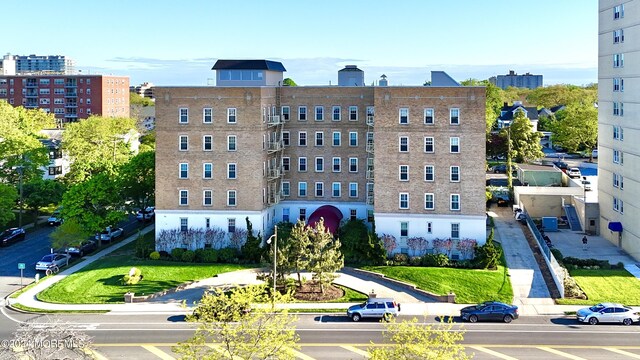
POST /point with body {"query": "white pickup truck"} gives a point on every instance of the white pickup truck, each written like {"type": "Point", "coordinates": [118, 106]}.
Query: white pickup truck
{"type": "Point", "coordinates": [109, 234]}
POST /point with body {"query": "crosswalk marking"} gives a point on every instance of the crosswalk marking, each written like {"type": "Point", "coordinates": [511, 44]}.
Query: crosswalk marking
{"type": "Point", "coordinates": [96, 355]}
{"type": "Point", "coordinates": [355, 350]}
{"type": "Point", "coordinates": [625, 353]}
{"type": "Point", "coordinates": [157, 352]}
{"type": "Point", "coordinates": [494, 353]}
{"type": "Point", "coordinates": [302, 356]}
{"type": "Point", "coordinates": [561, 353]}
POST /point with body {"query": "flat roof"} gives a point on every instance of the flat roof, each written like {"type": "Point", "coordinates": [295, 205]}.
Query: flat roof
{"type": "Point", "coordinates": [248, 65]}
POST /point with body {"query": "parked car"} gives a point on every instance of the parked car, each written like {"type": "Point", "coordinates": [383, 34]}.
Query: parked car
{"type": "Point", "coordinates": [561, 165]}
{"type": "Point", "coordinates": [55, 219]}
{"type": "Point", "coordinates": [502, 169]}
{"type": "Point", "coordinates": [51, 261]}
{"type": "Point", "coordinates": [382, 308]}
{"type": "Point", "coordinates": [594, 153]}
{"type": "Point", "coordinates": [608, 313]}
{"type": "Point", "coordinates": [146, 214]}
{"type": "Point", "coordinates": [109, 234]}
{"type": "Point", "coordinates": [85, 247]}
{"type": "Point", "coordinates": [574, 172]}
{"type": "Point", "coordinates": [490, 310]}
{"type": "Point", "coordinates": [11, 235]}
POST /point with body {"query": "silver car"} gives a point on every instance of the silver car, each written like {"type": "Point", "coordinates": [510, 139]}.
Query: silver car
{"type": "Point", "coordinates": [608, 313]}
{"type": "Point", "coordinates": [382, 308]}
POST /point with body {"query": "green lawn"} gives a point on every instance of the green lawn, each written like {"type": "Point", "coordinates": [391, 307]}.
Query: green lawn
{"type": "Point", "coordinates": [100, 282]}
{"type": "Point", "coordinates": [605, 286]}
{"type": "Point", "coordinates": [470, 286]}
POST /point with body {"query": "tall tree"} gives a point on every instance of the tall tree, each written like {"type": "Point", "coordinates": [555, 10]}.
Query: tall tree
{"type": "Point", "coordinates": [69, 233]}
{"type": "Point", "coordinates": [8, 197]}
{"type": "Point", "coordinates": [562, 95]}
{"type": "Point", "coordinates": [325, 257]}
{"type": "Point", "coordinates": [293, 249]}
{"type": "Point", "coordinates": [263, 333]}
{"type": "Point", "coordinates": [97, 145]}
{"type": "Point", "coordinates": [525, 143]}
{"type": "Point", "coordinates": [289, 82]}
{"type": "Point", "coordinates": [38, 193]}
{"type": "Point", "coordinates": [494, 100]}
{"type": "Point", "coordinates": [137, 178]}
{"type": "Point", "coordinates": [576, 127]}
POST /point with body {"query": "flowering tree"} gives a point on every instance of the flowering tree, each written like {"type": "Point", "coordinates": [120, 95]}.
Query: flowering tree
{"type": "Point", "coordinates": [389, 242]}
{"type": "Point", "coordinates": [443, 246]}
{"type": "Point", "coordinates": [238, 238]}
{"type": "Point", "coordinates": [418, 245]}
{"type": "Point", "coordinates": [215, 237]}
{"type": "Point", "coordinates": [466, 246]}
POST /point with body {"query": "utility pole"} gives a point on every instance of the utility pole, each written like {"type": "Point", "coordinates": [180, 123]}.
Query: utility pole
{"type": "Point", "coordinates": [20, 171]}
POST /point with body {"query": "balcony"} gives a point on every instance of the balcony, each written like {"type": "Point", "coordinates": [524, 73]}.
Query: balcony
{"type": "Point", "coordinates": [369, 147]}
{"type": "Point", "coordinates": [370, 174]}
{"type": "Point", "coordinates": [71, 84]}
{"type": "Point", "coordinates": [31, 84]}
{"type": "Point", "coordinates": [273, 146]}
{"type": "Point", "coordinates": [274, 173]}
{"type": "Point", "coordinates": [369, 199]}
{"type": "Point", "coordinates": [370, 120]}
{"type": "Point", "coordinates": [273, 120]}
{"type": "Point", "coordinates": [70, 116]}
{"type": "Point", "coordinates": [71, 94]}
{"type": "Point", "coordinates": [274, 197]}
{"type": "Point", "coordinates": [71, 104]}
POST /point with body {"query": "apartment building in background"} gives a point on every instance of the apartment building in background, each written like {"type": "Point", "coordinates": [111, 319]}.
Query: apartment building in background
{"type": "Point", "coordinates": [68, 97]}
{"type": "Point", "coordinates": [36, 64]}
{"type": "Point", "coordinates": [618, 119]}
{"type": "Point", "coordinates": [410, 158]}
{"type": "Point", "coordinates": [527, 80]}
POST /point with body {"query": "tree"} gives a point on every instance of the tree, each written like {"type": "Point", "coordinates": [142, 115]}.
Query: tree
{"type": "Point", "coordinates": [325, 257]}
{"type": "Point", "coordinates": [97, 145]}
{"type": "Point", "coordinates": [137, 179]}
{"type": "Point", "coordinates": [525, 143]}
{"type": "Point", "coordinates": [412, 340]}
{"type": "Point", "coordinates": [251, 250]}
{"type": "Point", "coordinates": [69, 233]}
{"type": "Point", "coordinates": [136, 99]}
{"type": "Point", "coordinates": [38, 193]}
{"type": "Point", "coordinates": [496, 145]}
{"type": "Point", "coordinates": [289, 82]}
{"type": "Point", "coordinates": [263, 333]}
{"type": "Point", "coordinates": [293, 249]}
{"type": "Point", "coordinates": [563, 95]}
{"type": "Point", "coordinates": [93, 204]}
{"type": "Point", "coordinates": [494, 97]}
{"type": "Point", "coordinates": [8, 198]}
{"type": "Point", "coordinates": [358, 247]}
{"type": "Point", "coordinates": [576, 127]}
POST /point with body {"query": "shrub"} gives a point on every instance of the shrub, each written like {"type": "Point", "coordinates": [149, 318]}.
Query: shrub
{"type": "Point", "coordinates": [227, 255]}
{"type": "Point", "coordinates": [571, 288]}
{"type": "Point", "coordinates": [133, 277]}
{"type": "Point", "coordinates": [558, 255]}
{"type": "Point", "coordinates": [154, 255]}
{"type": "Point", "coordinates": [586, 263]}
{"type": "Point", "coordinates": [252, 251]}
{"type": "Point", "coordinates": [209, 256]}
{"type": "Point", "coordinates": [188, 256]}
{"type": "Point", "coordinates": [462, 264]}
{"type": "Point", "coordinates": [620, 265]}
{"type": "Point", "coordinates": [176, 253]}
{"type": "Point", "coordinates": [435, 260]}
{"type": "Point", "coordinates": [145, 245]}
{"type": "Point", "coordinates": [488, 255]}
{"type": "Point", "coordinates": [400, 259]}
{"type": "Point", "coordinates": [415, 261]}
{"type": "Point", "coordinates": [164, 254]}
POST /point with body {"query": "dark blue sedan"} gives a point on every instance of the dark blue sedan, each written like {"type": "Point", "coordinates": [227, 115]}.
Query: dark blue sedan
{"type": "Point", "coordinates": [490, 311]}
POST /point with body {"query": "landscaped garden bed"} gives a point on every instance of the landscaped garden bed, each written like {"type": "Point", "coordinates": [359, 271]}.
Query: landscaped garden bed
{"type": "Point", "coordinates": [605, 285]}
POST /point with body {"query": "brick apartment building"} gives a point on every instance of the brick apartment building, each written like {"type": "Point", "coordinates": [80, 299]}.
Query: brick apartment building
{"type": "Point", "coordinates": [69, 97]}
{"type": "Point", "coordinates": [412, 159]}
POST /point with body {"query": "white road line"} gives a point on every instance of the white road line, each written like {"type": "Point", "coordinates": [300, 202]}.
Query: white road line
{"type": "Point", "coordinates": [560, 353]}
{"type": "Point", "coordinates": [625, 353]}
{"type": "Point", "coordinates": [493, 353]}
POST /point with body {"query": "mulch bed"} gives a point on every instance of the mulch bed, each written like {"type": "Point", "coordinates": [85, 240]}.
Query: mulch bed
{"type": "Point", "coordinates": [310, 291]}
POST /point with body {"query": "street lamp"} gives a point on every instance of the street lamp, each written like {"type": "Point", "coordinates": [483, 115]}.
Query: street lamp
{"type": "Point", "coordinates": [275, 251]}
{"type": "Point", "coordinates": [584, 190]}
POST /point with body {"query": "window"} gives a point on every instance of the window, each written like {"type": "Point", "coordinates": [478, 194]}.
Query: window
{"type": "Point", "coordinates": [231, 142]}
{"type": "Point", "coordinates": [207, 143]}
{"type": "Point", "coordinates": [454, 116]}
{"type": "Point", "coordinates": [353, 190]}
{"type": "Point", "coordinates": [45, 91]}
{"type": "Point", "coordinates": [286, 138]}
{"type": "Point", "coordinates": [319, 164]}
{"type": "Point", "coordinates": [454, 174]}
{"type": "Point", "coordinates": [207, 115]}
{"type": "Point", "coordinates": [616, 204]}
{"type": "Point", "coordinates": [404, 230]}
{"type": "Point", "coordinates": [302, 189]}
{"type": "Point", "coordinates": [455, 231]}
{"type": "Point", "coordinates": [429, 173]}
{"type": "Point", "coordinates": [303, 214]}
{"type": "Point", "coordinates": [336, 113]}
{"type": "Point", "coordinates": [403, 116]}
{"type": "Point", "coordinates": [184, 197]}
{"type": "Point", "coordinates": [319, 189]}
{"type": "Point", "coordinates": [319, 138]}
{"type": "Point", "coordinates": [183, 115]}
{"type": "Point", "coordinates": [428, 145]}
{"type": "Point", "coordinates": [616, 84]}
{"type": "Point", "coordinates": [353, 113]}
{"type": "Point", "coordinates": [207, 171]}
{"type": "Point", "coordinates": [319, 113]}
{"type": "Point", "coordinates": [404, 172]}
{"type": "Point", "coordinates": [429, 201]}
{"type": "Point", "coordinates": [286, 163]}
{"type": "Point", "coordinates": [231, 116]}
{"type": "Point", "coordinates": [55, 170]}
{"type": "Point", "coordinates": [286, 188]}
{"type": "Point", "coordinates": [231, 225]}
{"type": "Point", "coordinates": [336, 138]}
{"type": "Point", "coordinates": [302, 138]}
{"type": "Point", "coordinates": [231, 198]}
{"type": "Point", "coordinates": [88, 101]}
{"type": "Point", "coordinates": [353, 138]}
{"type": "Point", "coordinates": [454, 143]}
{"type": "Point", "coordinates": [207, 198]}
{"type": "Point", "coordinates": [428, 117]}
{"type": "Point", "coordinates": [618, 181]}
{"type": "Point", "coordinates": [616, 108]}
{"type": "Point", "coordinates": [231, 171]}
{"type": "Point", "coordinates": [336, 189]}
{"type": "Point", "coordinates": [455, 202]}
{"type": "Point", "coordinates": [618, 60]}
{"type": "Point", "coordinates": [302, 113]}
{"type": "Point", "coordinates": [618, 36]}
{"type": "Point", "coordinates": [618, 12]}
{"type": "Point", "coordinates": [184, 171]}
{"type": "Point", "coordinates": [403, 202]}
{"type": "Point", "coordinates": [353, 214]}
{"type": "Point", "coordinates": [404, 144]}
{"type": "Point", "coordinates": [429, 227]}
{"type": "Point", "coordinates": [617, 157]}
{"type": "Point", "coordinates": [353, 165]}
{"type": "Point", "coordinates": [302, 164]}
{"type": "Point", "coordinates": [184, 224]}
{"type": "Point", "coordinates": [286, 113]}
{"type": "Point", "coordinates": [336, 164]}
{"type": "Point", "coordinates": [184, 143]}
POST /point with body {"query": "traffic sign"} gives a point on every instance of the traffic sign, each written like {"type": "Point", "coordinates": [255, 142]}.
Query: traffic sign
{"type": "Point", "coordinates": [21, 266]}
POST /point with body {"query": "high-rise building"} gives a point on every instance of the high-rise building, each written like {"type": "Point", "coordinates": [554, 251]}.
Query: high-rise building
{"type": "Point", "coordinates": [69, 97]}
{"type": "Point", "coordinates": [37, 64]}
{"type": "Point", "coordinates": [618, 116]}
{"type": "Point", "coordinates": [409, 158]}
{"type": "Point", "coordinates": [527, 80]}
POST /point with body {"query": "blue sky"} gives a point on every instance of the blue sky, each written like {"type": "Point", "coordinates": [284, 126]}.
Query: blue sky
{"type": "Point", "coordinates": [177, 42]}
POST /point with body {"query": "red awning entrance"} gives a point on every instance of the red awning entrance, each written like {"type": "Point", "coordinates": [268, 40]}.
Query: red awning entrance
{"type": "Point", "coordinates": [331, 215]}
